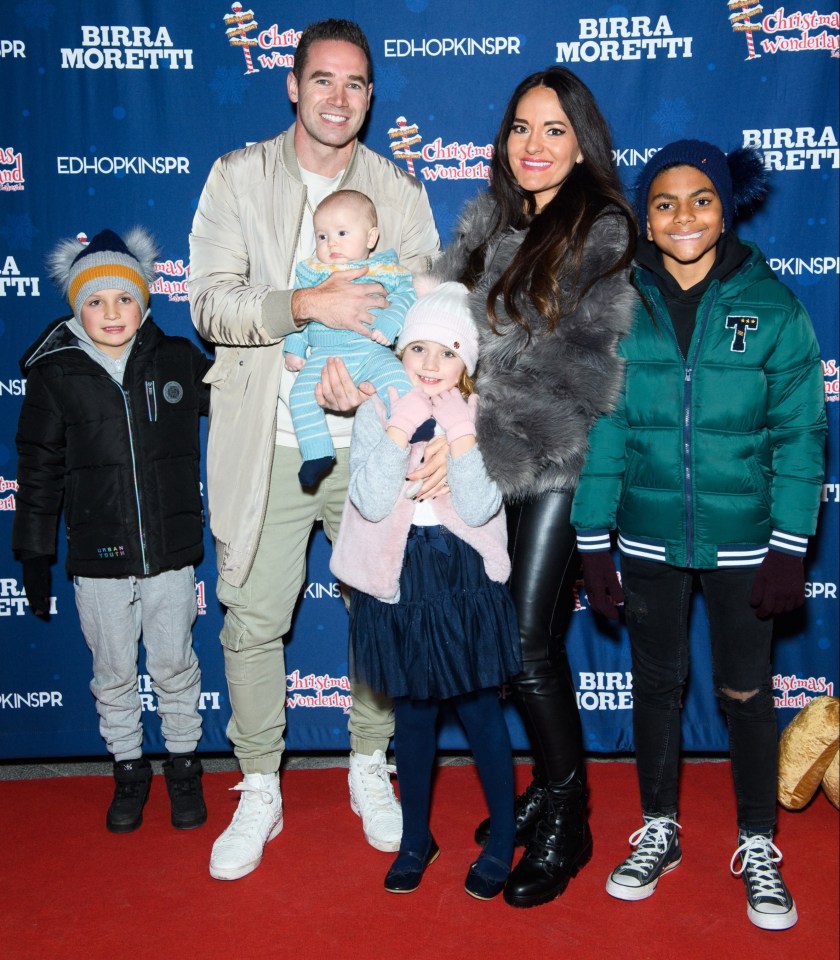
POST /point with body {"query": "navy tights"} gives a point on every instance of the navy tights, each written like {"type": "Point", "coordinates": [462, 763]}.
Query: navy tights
{"type": "Point", "coordinates": [415, 744]}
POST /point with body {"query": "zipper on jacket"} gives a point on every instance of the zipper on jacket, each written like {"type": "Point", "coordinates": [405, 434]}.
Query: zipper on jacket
{"type": "Point", "coordinates": [151, 401]}
{"type": "Point", "coordinates": [706, 302]}
{"type": "Point", "coordinates": [687, 475]}
{"type": "Point", "coordinates": [130, 422]}
{"type": "Point", "coordinates": [290, 273]}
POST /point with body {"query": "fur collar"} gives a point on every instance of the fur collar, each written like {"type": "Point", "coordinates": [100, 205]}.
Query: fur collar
{"type": "Point", "coordinates": [541, 395]}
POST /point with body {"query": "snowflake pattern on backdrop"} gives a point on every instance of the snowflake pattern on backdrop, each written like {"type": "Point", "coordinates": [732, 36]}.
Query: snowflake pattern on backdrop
{"type": "Point", "coordinates": [18, 231]}
{"type": "Point", "coordinates": [389, 83]}
{"type": "Point", "coordinates": [673, 118]}
{"type": "Point", "coordinates": [229, 85]}
{"type": "Point", "coordinates": [36, 13]}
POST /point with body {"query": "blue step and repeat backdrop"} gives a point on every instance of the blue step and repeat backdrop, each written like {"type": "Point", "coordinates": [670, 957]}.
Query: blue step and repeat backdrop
{"type": "Point", "coordinates": [112, 115]}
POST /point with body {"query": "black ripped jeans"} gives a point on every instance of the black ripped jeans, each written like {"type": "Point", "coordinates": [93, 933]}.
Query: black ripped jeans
{"type": "Point", "coordinates": [656, 608]}
{"type": "Point", "coordinates": [541, 542]}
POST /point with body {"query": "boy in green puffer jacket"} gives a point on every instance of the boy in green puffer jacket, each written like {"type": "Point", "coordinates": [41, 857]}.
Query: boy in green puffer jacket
{"type": "Point", "coordinates": [710, 468]}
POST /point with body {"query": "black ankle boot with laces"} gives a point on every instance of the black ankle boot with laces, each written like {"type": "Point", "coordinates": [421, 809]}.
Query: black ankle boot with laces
{"type": "Point", "coordinates": [560, 848]}
{"type": "Point", "coordinates": [132, 780]}
{"type": "Point", "coordinates": [183, 781]}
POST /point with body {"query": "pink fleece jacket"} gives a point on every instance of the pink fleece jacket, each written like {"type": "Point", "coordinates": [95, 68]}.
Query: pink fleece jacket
{"type": "Point", "coordinates": [368, 554]}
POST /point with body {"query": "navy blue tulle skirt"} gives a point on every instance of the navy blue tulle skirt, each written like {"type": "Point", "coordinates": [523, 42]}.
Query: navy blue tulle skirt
{"type": "Point", "coordinates": [454, 630]}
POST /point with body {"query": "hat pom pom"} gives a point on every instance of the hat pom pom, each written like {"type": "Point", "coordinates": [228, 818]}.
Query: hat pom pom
{"type": "Point", "coordinates": [424, 283]}
{"type": "Point", "coordinates": [59, 262]}
{"type": "Point", "coordinates": [750, 183]}
{"type": "Point", "coordinates": [141, 245]}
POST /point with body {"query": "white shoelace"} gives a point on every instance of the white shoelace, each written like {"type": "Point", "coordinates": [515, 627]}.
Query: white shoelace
{"type": "Point", "coordinates": [759, 856]}
{"type": "Point", "coordinates": [378, 784]}
{"type": "Point", "coordinates": [651, 841]}
{"type": "Point", "coordinates": [249, 812]}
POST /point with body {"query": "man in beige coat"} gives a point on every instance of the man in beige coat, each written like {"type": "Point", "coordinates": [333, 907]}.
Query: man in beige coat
{"type": "Point", "coordinates": [253, 223]}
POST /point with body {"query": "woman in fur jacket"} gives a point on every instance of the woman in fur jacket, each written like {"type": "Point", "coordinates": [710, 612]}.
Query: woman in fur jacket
{"type": "Point", "coordinates": [545, 253]}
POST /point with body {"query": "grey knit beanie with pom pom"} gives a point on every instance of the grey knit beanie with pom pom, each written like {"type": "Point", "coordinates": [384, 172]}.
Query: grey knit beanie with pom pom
{"type": "Point", "coordinates": [107, 263]}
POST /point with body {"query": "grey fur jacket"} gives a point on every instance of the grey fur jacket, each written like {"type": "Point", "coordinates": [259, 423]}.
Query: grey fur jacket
{"type": "Point", "coordinates": [539, 399]}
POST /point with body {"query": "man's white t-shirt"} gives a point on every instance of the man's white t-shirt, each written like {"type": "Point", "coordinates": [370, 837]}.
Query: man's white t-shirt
{"type": "Point", "coordinates": [339, 425]}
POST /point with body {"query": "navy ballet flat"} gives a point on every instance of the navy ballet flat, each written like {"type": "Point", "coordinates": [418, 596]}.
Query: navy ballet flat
{"type": "Point", "coordinates": [407, 870]}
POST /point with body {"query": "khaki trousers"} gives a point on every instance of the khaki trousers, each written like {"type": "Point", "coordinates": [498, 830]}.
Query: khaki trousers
{"type": "Point", "coordinates": [259, 615]}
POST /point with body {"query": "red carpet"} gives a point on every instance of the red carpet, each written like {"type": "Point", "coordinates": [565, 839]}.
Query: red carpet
{"type": "Point", "coordinates": [69, 889]}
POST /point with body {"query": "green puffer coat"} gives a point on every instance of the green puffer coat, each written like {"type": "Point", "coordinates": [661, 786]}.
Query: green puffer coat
{"type": "Point", "coordinates": [706, 461]}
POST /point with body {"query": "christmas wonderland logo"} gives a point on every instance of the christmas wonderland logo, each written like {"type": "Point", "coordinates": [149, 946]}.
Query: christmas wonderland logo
{"type": "Point", "coordinates": [11, 169]}
{"type": "Point", "coordinates": [241, 32]}
{"type": "Point", "coordinates": [173, 280]}
{"type": "Point", "coordinates": [787, 32]}
{"type": "Point", "coordinates": [446, 161]}
{"type": "Point", "coordinates": [8, 489]}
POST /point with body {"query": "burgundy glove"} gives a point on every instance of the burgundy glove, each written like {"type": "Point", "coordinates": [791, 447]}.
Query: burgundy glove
{"type": "Point", "coordinates": [779, 584]}
{"type": "Point", "coordinates": [455, 414]}
{"type": "Point", "coordinates": [600, 578]}
{"type": "Point", "coordinates": [410, 410]}
{"type": "Point", "coordinates": [37, 585]}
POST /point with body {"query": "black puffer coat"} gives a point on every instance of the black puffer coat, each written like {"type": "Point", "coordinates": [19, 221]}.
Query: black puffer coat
{"type": "Point", "coordinates": [123, 460]}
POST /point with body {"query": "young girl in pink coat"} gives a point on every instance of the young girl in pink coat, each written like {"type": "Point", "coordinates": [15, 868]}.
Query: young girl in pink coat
{"type": "Point", "coordinates": [430, 616]}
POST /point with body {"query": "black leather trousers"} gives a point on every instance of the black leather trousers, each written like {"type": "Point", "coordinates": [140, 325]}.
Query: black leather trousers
{"type": "Point", "coordinates": [541, 542]}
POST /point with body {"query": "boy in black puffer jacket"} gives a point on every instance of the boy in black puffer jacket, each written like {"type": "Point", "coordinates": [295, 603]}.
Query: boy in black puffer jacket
{"type": "Point", "coordinates": [109, 431]}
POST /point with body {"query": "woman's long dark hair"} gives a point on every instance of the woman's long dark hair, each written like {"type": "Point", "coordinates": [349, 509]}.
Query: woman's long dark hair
{"type": "Point", "coordinates": [546, 268]}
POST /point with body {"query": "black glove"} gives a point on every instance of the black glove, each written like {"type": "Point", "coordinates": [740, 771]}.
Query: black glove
{"type": "Point", "coordinates": [779, 584]}
{"type": "Point", "coordinates": [37, 585]}
{"type": "Point", "coordinates": [600, 578]}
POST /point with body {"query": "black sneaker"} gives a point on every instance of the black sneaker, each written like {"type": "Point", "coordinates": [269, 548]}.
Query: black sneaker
{"type": "Point", "coordinates": [769, 903]}
{"type": "Point", "coordinates": [183, 781]}
{"type": "Point", "coordinates": [133, 780]}
{"type": "Point", "coordinates": [657, 851]}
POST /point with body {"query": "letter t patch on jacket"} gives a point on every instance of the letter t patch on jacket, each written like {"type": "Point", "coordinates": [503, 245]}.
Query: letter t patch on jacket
{"type": "Point", "coordinates": [740, 325]}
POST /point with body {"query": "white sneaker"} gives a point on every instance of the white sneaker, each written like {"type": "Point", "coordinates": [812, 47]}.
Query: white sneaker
{"type": "Point", "coordinates": [372, 798]}
{"type": "Point", "coordinates": [258, 819]}
{"type": "Point", "coordinates": [657, 853]}
{"type": "Point", "coordinates": [769, 903]}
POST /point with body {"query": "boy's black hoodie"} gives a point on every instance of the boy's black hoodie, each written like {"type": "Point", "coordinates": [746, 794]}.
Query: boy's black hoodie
{"type": "Point", "coordinates": [682, 304]}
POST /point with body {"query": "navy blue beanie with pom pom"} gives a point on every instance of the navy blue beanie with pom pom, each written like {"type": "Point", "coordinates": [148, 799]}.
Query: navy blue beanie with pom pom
{"type": "Point", "coordinates": [739, 179]}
